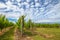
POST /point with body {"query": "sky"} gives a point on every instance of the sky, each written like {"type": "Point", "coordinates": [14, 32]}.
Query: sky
{"type": "Point", "coordinates": [38, 11]}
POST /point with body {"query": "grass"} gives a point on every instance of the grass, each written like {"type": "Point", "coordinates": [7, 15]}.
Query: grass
{"type": "Point", "coordinates": [39, 36]}
{"type": "Point", "coordinates": [8, 35]}
{"type": "Point", "coordinates": [48, 31]}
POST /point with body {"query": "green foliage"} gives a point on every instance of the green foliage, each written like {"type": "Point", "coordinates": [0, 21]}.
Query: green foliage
{"type": "Point", "coordinates": [55, 25]}
{"type": "Point", "coordinates": [29, 24]}
{"type": "Point", "coordinates": [4, 22]}
{"type": "Point", "coordinates": [19, 21]}
{"type": "Point", "coordinates": [8, 35]}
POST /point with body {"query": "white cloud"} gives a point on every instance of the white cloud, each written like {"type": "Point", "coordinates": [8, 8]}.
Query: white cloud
{"type": "Point", "coordinates": [37, 4]}
{"type": "Point", "coordinates": [54, 11]}
{"type": "Point", "coordinates": [31, 12]}
{"type": "Point", "coordinates": [19, 4]}
{"type": "Point", "coordinates": [18, 0]}
{"type": "Point", "coordinates": [32, 6]}
{"type": "Point", "coordinates": [2, 5]}
{"type": "Point", "coordinates": [52, 15]}
{"type": "Point", "coordinates": [28, 0]}
{"type": "Point", "coordinates": [36, 0]}
{"type": "Point", "coordinates": [39, 21]}
{"type": "Point", "coordinates": [26, 4]}
{"type": "Point", "coordinates": [8, 3]}
{"type": "Point", "coordinates": [11, 15]}
{"type": "Point", "coordinates": [12, 7]}
{"type": "Point", "coordinates": [42, 9]}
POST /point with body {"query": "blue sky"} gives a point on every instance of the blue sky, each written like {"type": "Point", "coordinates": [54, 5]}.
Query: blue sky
{"type": "Point", "coordinates": [36, 10]}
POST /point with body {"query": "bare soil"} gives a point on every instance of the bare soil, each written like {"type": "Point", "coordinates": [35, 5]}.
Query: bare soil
{"type": "Point", "coordinates": [17, 36]}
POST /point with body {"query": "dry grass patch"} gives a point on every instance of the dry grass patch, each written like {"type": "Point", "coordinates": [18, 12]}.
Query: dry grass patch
{"type": "Point", "coordinates": [48, 35]}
